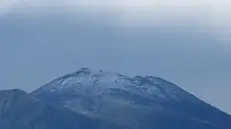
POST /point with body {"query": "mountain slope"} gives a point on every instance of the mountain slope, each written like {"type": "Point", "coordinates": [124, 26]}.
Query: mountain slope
{"type": "Point", "coordinates": [138, 102]}
{"type": "Point", "coordinates": [19, 110]}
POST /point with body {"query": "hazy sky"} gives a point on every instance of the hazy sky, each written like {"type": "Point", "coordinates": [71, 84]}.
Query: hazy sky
{"type": "Point", "coordinates": [184, 41]}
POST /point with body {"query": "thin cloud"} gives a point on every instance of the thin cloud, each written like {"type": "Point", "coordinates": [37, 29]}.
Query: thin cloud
{"type": "Point", "coordinates": [145, 12]}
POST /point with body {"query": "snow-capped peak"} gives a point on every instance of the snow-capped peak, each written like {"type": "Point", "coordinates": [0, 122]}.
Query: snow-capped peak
{"type": "Point", "coordinates": [92, 82]}
{"type": "Point", "coordinates": [87, 77]}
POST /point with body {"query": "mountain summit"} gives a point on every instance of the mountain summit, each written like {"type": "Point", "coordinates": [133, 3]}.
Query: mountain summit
{"type": "Point", "coordinates": [133, 102]}
{"type": "Point", "coordinates": [89, 99]}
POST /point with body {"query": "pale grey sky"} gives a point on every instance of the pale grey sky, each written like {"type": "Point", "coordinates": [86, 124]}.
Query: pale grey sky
{"type": "Point", "coordinates": [187, 43]}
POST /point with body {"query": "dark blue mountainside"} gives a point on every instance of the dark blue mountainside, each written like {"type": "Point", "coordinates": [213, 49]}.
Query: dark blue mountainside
{"type": "Point", "coordinates": [88, 99]}
{"type": "Point", "coordinates": [20, 110]}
